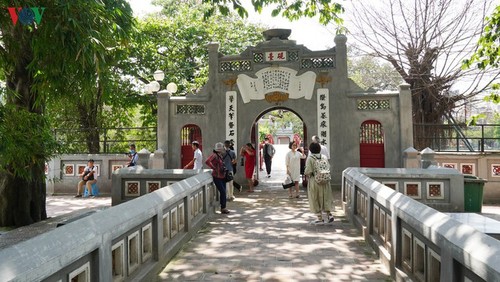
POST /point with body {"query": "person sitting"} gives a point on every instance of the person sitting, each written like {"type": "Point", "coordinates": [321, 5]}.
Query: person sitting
{"type": "Point", "coordinates": [89, 177]}
{"type": "Point", "coordinates": [132, 156]}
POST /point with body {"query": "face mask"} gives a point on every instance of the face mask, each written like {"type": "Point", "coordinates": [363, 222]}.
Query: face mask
{"type": "Point", "coordinates": [132, 151]}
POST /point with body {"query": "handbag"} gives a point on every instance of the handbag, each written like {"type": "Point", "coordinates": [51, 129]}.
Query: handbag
{"type": "Point", "coordinates": [288, 183]}
{"type": "Point", "coordinates": [228, 176]}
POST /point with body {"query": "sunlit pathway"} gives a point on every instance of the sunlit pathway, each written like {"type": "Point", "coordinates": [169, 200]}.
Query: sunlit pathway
{"type": "Point", "coordinates": [268, 237]}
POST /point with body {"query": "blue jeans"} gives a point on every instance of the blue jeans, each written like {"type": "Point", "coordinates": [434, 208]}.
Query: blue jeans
{"type": "Point", "coordinates": [220, 183]}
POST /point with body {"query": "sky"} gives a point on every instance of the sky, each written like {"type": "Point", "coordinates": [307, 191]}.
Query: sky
{"type": "Point", "coordinates": [308, 32]}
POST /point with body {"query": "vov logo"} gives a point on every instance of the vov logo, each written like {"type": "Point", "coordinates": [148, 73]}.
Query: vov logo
{"type": "Point", "coordinates": [26, 15]}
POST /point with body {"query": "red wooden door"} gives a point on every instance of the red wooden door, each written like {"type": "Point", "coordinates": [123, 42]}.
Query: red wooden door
{"type": "Point", "coordinates": [371, 145]}
{"type": "Point", "coordinates": [189, 133]}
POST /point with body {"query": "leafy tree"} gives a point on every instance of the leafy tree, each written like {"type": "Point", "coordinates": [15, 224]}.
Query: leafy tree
{"type": "Point", "coordinates": [175, 41]}
{"type": "Point", "coordinates": [56, 56]}
{"type": "Point", "coordinates": [487, 54]}
{"type": "Point", "coordinates": [327, 10]}
{"type": "Point", "coordinates": [425, 41]}
{"type": "Point", "coordinates": [370, 73]}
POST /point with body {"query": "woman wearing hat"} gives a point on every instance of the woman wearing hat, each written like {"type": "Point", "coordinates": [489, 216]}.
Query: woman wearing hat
{"type": "Point", "coordinates": [216, 163]}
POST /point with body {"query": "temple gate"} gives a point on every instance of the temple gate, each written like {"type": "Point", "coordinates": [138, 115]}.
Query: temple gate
{"type": "Point", "coordinates": [280, 74]}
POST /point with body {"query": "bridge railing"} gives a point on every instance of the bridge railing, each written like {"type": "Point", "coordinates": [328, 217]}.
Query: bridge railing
{"type": "Point", "coordinates": [412, 239]}
{"type": "Point", "coordinates": [132, 241]}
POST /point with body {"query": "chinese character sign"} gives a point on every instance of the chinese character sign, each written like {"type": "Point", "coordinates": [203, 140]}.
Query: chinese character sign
{"type": "Point", "coordinates": [231, 118]}
{"type": "Point", "coordinates": [276, 56]}
{"type": "Point", "coordinates": [276, 79]}
{"type": "Point", "coordinates": [323, 110]}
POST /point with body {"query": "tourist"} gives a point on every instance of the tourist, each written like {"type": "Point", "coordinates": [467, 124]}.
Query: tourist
{"type": "Point", "coordinates": [268, 151]}
{"type": "Point", "coordinates": [89, 177]}
{"type": "Point", "coordinates": [197, 157]}
{"type": "Point", "coordinates": [229, 162]}
{"type": "Point", "coordinates": [216, 163]}
{"type": "Point", "coordinates": [319, 195]}
{"type": "Point", "coordinates": [324, 150]}
{"type": "Point", "coordinates": [132, 155]}
{"type": "Point", "coordinates": [292, 162]}
{"type": "Point", "coordinates": [248, 152]}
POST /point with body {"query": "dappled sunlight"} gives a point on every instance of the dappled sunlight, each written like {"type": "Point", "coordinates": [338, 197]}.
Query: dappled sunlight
{"type": "Point", "coordinates": [269, 237]}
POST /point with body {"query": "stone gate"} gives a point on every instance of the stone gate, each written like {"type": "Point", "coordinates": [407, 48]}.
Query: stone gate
{"type": "Point", "coordinates": [358, 127]}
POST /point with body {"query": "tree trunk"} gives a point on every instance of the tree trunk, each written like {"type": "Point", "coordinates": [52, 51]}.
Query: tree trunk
{"type": "Point", "coordinates": [22, 202]}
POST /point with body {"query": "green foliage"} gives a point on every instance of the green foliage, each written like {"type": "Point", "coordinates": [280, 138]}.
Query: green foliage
{"type": "Point", "coordinates": [175, 41]}
{"type": "Point", "coordinates": [493, 97]}
{"type": "Point", "coordinates": [30, 145]}
{"type": "Point", "coordinates": [488, 52]}
{"type": "Point", "coordinates": [327, 10]}
{"type": "Point", "coordinates": [277, 119]}
{"type": "Point", "coordinates": [368, 72]}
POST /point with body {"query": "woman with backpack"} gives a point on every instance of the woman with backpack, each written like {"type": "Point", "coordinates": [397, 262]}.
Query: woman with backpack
{"type": "Point", "coordinates": [216, 163]}
{"type": "Point", "coordinates": [319, 191]}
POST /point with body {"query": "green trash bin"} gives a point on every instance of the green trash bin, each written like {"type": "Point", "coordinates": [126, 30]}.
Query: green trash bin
{"type": "Point", "coordinates": [473, 193]}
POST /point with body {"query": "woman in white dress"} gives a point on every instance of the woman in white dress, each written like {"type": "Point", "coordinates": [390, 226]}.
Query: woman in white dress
{"type": "Point", "coordinates": [292, 162]}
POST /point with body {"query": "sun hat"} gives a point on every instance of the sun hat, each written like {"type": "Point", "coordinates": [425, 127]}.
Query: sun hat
{"type": "Point", "coordinates": [219, 147]}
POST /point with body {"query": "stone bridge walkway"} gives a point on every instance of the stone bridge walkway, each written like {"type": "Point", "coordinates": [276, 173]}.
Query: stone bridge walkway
{"type": "Point", "coordinates": [268, 237]}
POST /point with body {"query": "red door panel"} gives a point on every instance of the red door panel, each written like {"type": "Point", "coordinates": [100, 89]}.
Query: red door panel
{"type": "Point", "coordinates": [371, 145]}
{"type": "Point", "coordinates": [189, 133]}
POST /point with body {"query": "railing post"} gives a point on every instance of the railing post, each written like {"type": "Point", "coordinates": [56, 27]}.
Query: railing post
{"type": "Point", "coordinates": [427, 157]}
{"type": "Point", "coordinates": [143, 158]}
{"type": "Point", "coordinates": [105, 143]}
{"type": "Point", "coordinates": [482, 138]}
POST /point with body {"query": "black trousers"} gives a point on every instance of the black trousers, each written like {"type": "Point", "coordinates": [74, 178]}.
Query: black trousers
{"type": "Point", "coordinates": [268, 161]}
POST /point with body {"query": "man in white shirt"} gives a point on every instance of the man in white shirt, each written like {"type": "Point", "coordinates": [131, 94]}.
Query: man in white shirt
{"type": "Point", "coordinates": [197, 157]}
{"type": "Point", "coordinates": [324, 150]}
{"type": "Point", "coordinates": [89, 177]}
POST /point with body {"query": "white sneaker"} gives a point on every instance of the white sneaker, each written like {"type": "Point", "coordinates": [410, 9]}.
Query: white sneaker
{"type": "Point", "coordinates": [317, 222]}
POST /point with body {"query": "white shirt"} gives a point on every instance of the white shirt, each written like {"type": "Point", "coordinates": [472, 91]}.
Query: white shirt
{"type": "Point", "coordinates": [94, 169]}
{"type": "Point", "coordinates": [324, 151]}
{"type": "Point", "coordinates": [198, 159]}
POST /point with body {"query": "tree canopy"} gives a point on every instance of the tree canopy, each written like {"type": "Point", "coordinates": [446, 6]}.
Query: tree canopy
{"type": "Point", "coordinates": [426, 42]}
{"type": "Point", "coordinates": [53, 51]}
{"type": "Point", "coordinates": [328, 11]}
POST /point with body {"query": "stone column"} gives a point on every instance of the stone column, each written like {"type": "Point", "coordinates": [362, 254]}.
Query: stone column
{"type": "Point", "coordinates": [143, 158]}
{"type": "Point", "coordinates": [427, 157]}
{"type": "Point", "coordinates": [158, 159]}
{"type": "Point", "coordinates": [341, 54]}
{"type": "Point", "coordinates": [405, 117]}
{"type": "Point", "coordinates": [410, 158]}
{"type": "Point", "coordinates": [213, 67]}
{"type": "Point", "coordinates": [163, 123]}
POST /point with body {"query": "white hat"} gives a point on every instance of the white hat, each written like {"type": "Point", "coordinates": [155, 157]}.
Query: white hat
{"type": "Point", "coordinates": [219, 147]}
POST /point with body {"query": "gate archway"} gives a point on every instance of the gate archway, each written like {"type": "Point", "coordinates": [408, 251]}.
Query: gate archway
{"type": "Point", "coordinates": [257, 136]}
{"type": "Point", "coordinates": [189, 133]}
{"type": "Point", "coordinates": [371, 144]}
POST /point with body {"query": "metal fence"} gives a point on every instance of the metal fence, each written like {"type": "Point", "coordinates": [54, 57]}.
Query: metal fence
{"type": "Point", "coordinates": [438, 137]}
{"type": "Point", "coordinates": [106, 140]}
{"type": "Point", "coordinates": [457, 137]}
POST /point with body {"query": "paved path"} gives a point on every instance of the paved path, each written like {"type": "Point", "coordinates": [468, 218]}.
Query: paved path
{"type": "Point", "coordinates": [268, 237]}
